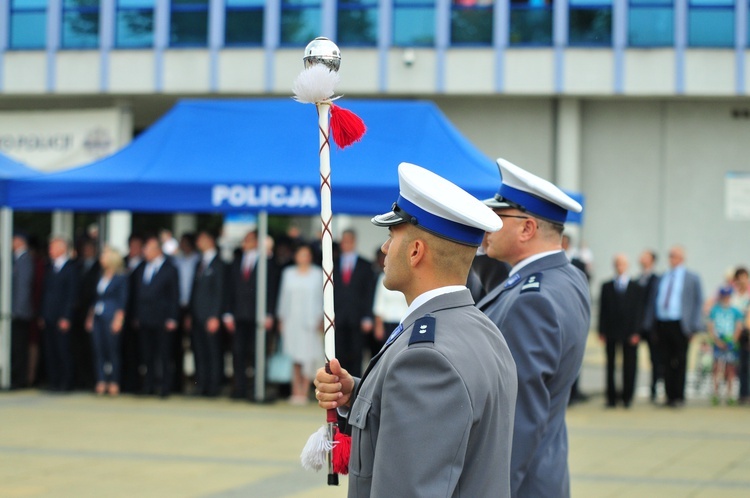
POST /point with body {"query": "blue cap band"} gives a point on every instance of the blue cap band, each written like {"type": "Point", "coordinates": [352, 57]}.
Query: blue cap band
{"type": "Point", "coordinates": [533, 204]}
{"type": "Point", "coordinates": [441, 227]}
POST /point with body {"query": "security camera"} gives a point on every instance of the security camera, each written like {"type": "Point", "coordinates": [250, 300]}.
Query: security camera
{"type": "Point", "coordinates": [409, 57]}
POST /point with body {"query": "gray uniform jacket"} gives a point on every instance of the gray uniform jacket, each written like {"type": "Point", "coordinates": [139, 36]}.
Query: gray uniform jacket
{"type": "Point", "coordinates": [434, 418]}
{"type": "Point", "coordinates": [691, 321]}
{"type": "Point", "coordinates": [543, 311]}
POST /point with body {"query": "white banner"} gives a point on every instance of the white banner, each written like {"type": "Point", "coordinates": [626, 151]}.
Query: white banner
{"type": "Point", "coordinates": [52, 140]}
{"type": "Point", "coordinates": [737, 200]}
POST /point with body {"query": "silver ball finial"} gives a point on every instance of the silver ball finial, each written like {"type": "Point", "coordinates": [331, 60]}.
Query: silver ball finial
{"type": "Point", "coordinates": [322, 51]}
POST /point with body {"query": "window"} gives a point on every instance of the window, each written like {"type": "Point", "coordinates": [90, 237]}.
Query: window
{"type": "Point", "coordinates": [300, 21]}
{"type": "Point", "coordinates": [590, 23]}
{"type": "Point", "coordinates": [28, 24]}
{"type": "Point", "coordinates": [188, 23]}
{"type": "Point", "coordinates": [244, 22]}
{"type": "Point", "coordinates": [711, 23]}
{"type": "Point", "coordinates": [80, 24]}
{"type": "Point", "coordinates": [531, 22]}
{"type": "Point", "coordinates": [357, 22]}
{"type": "Point", "coordinates": [471, 22]}
{"type": "Point", "coordinates": [413, 22]}
{"type": "Point", "coordinates": [651, 23]}
{"type": "Point", "coordinates": [134, 24]}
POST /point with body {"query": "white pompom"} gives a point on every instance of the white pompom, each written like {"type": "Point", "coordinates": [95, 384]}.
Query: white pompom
{"type": "Point", "coordinates": [315, 84]}
{"type": "Point", "coordinates": [314, 453]}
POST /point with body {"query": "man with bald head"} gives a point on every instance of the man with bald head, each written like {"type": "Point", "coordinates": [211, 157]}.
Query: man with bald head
{"type": "Point", "coordinates": [675, 310]}
{"type": "Point", "coordinates": [620, 317]}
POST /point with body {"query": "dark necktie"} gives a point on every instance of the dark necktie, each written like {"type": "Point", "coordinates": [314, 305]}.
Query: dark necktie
{"type": "Point", "coordinates": [668, 294]}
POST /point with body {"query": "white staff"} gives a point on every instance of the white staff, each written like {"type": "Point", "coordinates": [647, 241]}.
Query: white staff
{"type": "Point", "coordinates": [315, 85]}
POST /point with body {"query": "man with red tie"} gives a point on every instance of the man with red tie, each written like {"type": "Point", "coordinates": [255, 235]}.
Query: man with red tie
{"type": "Point", "coordinates": [240, 315]}
{"type": "Point", "coordinates": [353, 287]}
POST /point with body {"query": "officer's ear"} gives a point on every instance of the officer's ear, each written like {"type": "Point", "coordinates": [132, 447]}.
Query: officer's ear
{"type": "Point", "coordinates": [417, 249]}
{"type": "Point", "coordinates": [529, 227]}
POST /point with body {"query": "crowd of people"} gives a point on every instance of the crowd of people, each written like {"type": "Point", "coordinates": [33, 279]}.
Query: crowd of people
{"type": "Point", "coordinates": [666, 312]}
{"type": "Point", "coordinates": [162, 318]}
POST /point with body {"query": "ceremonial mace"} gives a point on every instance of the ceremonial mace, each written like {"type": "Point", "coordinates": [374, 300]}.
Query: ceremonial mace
{"type": "Point", "coordinates": [315, 85]}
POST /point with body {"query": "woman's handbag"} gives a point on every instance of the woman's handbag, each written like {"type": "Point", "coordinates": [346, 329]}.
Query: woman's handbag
{"type": "Point", "coordinates": [279, 366]}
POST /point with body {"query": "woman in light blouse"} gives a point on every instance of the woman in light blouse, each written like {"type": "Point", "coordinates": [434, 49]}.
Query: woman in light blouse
{"type": "Point", "coordinates": [105, 320]}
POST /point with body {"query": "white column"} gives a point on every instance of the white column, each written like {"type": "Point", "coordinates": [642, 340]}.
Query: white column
{"type": "Point", "coordinates": [6, 268]}
{"type": "Point", "coordinates": [568, 141]}
{"type": "Point", "coordinates": [119, 226]}
{"type": "Point", "coordinates": [62, 224]}
{"type": "Point", "coordinates": [183, 223]}
{"type": "Point", "coordinates": [568, 153]}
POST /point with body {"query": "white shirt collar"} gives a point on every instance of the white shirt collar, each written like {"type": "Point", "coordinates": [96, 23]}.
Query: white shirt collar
{"type": "Point", "coordinates": [60, 262]}
{"type": "Point", "coordinates": [531, 259]}
{"type": "Point", "coordinates": [431, 294]}
{"type": "Point", "coordinates": [209, 255]}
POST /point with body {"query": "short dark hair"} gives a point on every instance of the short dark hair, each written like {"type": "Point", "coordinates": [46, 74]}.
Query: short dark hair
{"type": "Point", "coordinates": [741, 270]}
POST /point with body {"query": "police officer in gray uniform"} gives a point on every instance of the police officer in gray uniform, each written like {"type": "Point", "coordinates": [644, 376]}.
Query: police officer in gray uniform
{"type": "Point", "coordinates": [433, 413]}
{"type": "Point", "coordinates": [543, 311]}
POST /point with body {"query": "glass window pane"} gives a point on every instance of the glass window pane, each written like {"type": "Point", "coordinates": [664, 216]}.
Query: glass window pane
{"type": "Point", "coordinates": [72, 4]}
{"type": "Point", "coordinates": [357, 26]}
{"type": "Point", "coordinates": [471, 26]}
{"type": "Point", "coordinates": [80, 29]}
{"type": "Point", "coordinates": [135, 4]}
{"type": "Point", "coordinates": [414, 26]}
{"type": "Point", "coordinates": [299, 26]}
{"type": "Point", "coordinates": [135, 28]}
{"type": "Point", "coordinates": [651, 27]}
{"type": "Point", "coordinates": [188, 28]}
{"type": "Point", "coordinates": [711, 28]}
{"type": "Point", "coordinates": [244, 27]}
{"type": "Point", "coordinates": [28, 4]}
{"type": "Point", "coordinates": [714, 3]}
{"type": "Point", "coordinates": [590, 26]}
{"type": "Point", "coordinates": [531, 26]}
{"type": "Point", "coordinates": [189, 2]}
{"type": "Point", "coordinates": [28, 30]}
{"type": "Point", "coordinates": [245, 3]}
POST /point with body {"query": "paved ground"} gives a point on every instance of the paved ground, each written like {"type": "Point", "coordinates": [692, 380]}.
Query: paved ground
{"type": "Point", "coordinates": [79, 446]}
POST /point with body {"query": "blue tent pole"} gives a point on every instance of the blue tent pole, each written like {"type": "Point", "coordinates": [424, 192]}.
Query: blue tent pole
{"type": "Point", "coordinates": [6, 269]}
{"type": "Point", "coordinates": [260, 309]}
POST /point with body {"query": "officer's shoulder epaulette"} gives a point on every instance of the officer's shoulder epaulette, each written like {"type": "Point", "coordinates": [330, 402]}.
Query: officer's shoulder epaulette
{"type": "Point", "coordinates": [533, 283]}
{"type": "Point", "coordinates": [423, 330]}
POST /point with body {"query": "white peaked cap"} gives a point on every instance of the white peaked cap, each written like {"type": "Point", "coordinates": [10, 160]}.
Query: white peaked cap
{"type": "Point", "coordinates": [438, 206]}
{"type": "Point", "coordinates": [523, 190]}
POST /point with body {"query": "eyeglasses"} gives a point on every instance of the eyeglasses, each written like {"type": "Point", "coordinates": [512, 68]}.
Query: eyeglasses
{"type": "Point", "coordinates": [513, 216]}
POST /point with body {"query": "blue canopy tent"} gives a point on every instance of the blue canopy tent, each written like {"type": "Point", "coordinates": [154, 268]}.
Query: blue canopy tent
{"type": "Point", "coordinates": [9, 169]}
{"type": "Point", "coordinates": [261, 155]}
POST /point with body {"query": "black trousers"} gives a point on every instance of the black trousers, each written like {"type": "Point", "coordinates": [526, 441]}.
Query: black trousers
{"type": "Point", "coordinates": [59, 358]}
{"type": "Point", "coordinates": [744, 368]}
{"type": "Point", "coordinates": [629, 363]}
{"type": "Point", "coordinates": [208, 360]}
{"type": "Point", "coordinates": [243, 355]}
{"type": "Point", "coordinates": [156, 356]}
{"type": "Point", "coordinates": [349, 344]}
{"type": "Point", "coordinates": [656, 364]}
{"type": "Point", "coordinates": [673, 346]}
{"type": "Point", "coordinates": [19, 353]}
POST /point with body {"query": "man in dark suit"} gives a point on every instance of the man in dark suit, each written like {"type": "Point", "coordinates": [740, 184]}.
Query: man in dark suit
{"type": "Point", "coordinates": [21, 311]}
{"type": "Point", "coordinates": [58, 299]}
{"type": "Point", "coordinates": [675, 309]}
{"type": "Point", "coordinates": [89, 270]}
{"type": "Point", "coordinates": [130, 353]}
{"type": "Point", "coordinates": [156, 310]}
{"type": "Point", "coordinates": [240, 314]}
{"type": "Point", "coordinates": [648, 280]}
{"type": "Point", "coordinates": [353, 294]}
{"type": "Point", "coordinates": [206, 304]}
{"type": "Point", "coordinates": [620, 318]}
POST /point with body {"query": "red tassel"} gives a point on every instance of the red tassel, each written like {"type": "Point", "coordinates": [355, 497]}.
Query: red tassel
{"type": "Point", "coordinates": [346, 127]}
{"type": "Point", "coordinates": [341, 452]}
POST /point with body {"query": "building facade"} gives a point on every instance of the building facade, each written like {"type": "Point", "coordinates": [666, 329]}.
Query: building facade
{"type": "Point", "coordinates": [642, 105]}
